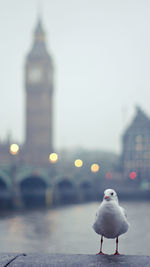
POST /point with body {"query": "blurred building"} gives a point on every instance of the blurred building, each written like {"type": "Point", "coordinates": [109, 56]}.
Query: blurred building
{"type": "Point", "coordinates": [136, 148]}
{"type": "Point", "coordinates": [39, 89]}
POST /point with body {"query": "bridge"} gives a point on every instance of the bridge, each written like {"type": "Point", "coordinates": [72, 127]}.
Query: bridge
{"type": "Point", "coordinates": [28, 186]}
{"type": "Point", "coordinates": [23, 186]}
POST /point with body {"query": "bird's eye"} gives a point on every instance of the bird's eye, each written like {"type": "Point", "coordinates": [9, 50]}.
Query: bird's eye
{"type": "Point", "coordinates": [112, 194]}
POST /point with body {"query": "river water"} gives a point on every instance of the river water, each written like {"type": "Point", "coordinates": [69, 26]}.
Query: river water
{"type": "Point", "coordinates": [69, 230]}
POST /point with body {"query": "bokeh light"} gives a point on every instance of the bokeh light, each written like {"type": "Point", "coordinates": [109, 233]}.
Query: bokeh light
{"type": "Point", "coordinates": [108, 175]}
{"type": "Point", "coordinates": [14, 149]}
{"type": "Point", "coordinates": [53, 157]}
{"type": "Point", "coordinates": [95, 167]}
{"type": "Point", "coordinates": [78, 163]}
{"type": "Point", "coordinates": [139, 147]}
{"type": "Point", "coordinates": [132, 175]}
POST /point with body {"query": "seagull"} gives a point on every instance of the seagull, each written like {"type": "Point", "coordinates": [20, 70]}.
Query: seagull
{"type": "Point", "coordinates": [111, 219]}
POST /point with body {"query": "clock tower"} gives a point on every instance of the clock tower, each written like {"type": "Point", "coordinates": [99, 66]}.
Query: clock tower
{"type": "Point", "coordinates": [39, 100]}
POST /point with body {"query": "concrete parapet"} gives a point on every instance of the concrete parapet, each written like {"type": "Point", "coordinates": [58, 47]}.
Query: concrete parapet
{"type": "Point", "coordinates": [75, 260]}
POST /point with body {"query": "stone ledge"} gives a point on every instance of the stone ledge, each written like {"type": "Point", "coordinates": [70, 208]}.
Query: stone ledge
{"type": "Point", "coordinates": [6, 259]}
{"type": "Point", "coordinates": [74, 260]}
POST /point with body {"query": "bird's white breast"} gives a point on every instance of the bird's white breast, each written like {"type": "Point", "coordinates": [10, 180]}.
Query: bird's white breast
{"type": "Point", "coordinates": [110, 220]}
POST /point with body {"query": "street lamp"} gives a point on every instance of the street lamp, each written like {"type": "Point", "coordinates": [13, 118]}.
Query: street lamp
{"type": "Point", "coordinates": [53, 158]}
{"type": "Point", "coordinates": [78, 163]}
{"type": "Point", "coordinates": [14, 149]}
{"type": "Point", "coordinates": [95, 167]}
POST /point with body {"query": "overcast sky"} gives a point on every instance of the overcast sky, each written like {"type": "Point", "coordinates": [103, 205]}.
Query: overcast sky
{"type": "Point", "coordinates": [101, 52]}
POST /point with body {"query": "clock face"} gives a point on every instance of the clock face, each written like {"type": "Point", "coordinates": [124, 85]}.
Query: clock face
{"type": "Point", "coordinates": [35, 75]}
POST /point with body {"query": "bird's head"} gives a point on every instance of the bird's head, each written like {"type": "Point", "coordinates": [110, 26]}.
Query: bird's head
{"type": "Point", "coordinates": [109, 195]}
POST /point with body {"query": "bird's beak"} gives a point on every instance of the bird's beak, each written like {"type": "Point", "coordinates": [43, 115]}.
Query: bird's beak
{"type": "Point", "coordinates": [106, 197]}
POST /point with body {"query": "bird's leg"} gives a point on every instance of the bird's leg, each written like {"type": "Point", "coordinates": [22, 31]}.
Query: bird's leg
{"type": "Point", "coordinates": [101, 253]}
{"type": "Point", "coordinates": [117, 253]}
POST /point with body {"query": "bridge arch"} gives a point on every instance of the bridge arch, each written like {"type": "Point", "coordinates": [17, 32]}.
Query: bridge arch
{"type": "Point", "coordinates": [86, 190]}
{"type": "Point", "coordinates": [33, 189]}
{"type": "Point", "coordinates": [65, 191]}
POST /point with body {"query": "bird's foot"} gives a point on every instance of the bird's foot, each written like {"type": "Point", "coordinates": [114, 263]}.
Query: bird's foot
{"type": "Point", "coordinates": [100, 253]}
{"type": "Point", "coordinates": [116, 253]}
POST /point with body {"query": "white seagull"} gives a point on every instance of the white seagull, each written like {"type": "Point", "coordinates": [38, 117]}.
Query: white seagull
{"type": "Point", "coordinates": [111, 220]}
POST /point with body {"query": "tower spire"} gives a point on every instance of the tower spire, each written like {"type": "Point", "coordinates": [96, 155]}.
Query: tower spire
{"type": "Point", "coordinates": [39, 41]}
{"type": "Point", "coordinates": [39, 34]}
{"type": "Point", "coordinates": [39, 9]}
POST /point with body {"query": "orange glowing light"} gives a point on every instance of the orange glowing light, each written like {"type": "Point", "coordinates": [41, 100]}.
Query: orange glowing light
{"type": "Point", "coordinates": [95, 167]}
{"type": "Point", "coordinates": [132, 175]}
{"type": "Point", "coordinates": [14, 149]}
{"type": "Point", "coordinates": [53, 157]}
{"type": "Point", "coordinates": [139, 147]}
{"type": "Point", "coordinates": [78, 163]}
{"type": "Point", "coordinates": [108, 175]}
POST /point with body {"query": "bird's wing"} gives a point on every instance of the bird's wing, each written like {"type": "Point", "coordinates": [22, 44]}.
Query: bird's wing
{"type": "Point", "coordinates": [123, 211]}
{"type": "Point", "coordinates": [96, 215]}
